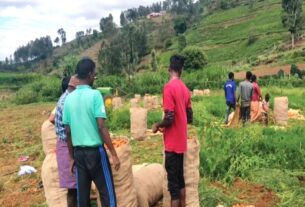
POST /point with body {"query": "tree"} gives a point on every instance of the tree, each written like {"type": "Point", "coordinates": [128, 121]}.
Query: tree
{"type": "Point", "coordinates": [194, 58]}
{"type": "Point", "coordinates": [62, 35]}
{"type": "Point", "coordinates": [88, 31]}
{"type": "Point", "coordinates": [132, 15]}
{"type": "Point", "coordinates": [292, 17]}
{"type": "Point", "coordinates": [6, 61]}
{"type": "Point", "coordinates": [123, 20]}
{"type": "Point", "coordinates": [143, 11]}
{"type": "Point", "coordinates": [95, 33]}
{"type": "Point", "coordinates": [180, 25]}
{"type": "Point", "coordinates": [107, 25]}
{"type": "Point", "coordinates": [181, 42]}
{"type": "Point", "coordinates": [154, 62]}
{"type": "Point", "coordinates": [56, 41]}
{"type": "Point", "coordinates": [78, 36]}
{"type": "Point", "coordinates": [68, 65]}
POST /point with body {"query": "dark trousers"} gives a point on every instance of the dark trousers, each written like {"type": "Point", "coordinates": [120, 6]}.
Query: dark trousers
{"type": "Point", "coordinates": [92, 164]}
{"type": "Point", "coordinates": [175, 175]}
{"type": "Point", "coordinates": [245, 114]}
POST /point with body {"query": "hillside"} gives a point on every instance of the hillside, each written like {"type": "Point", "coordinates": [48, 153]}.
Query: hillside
{"type": "Point", "coordinates": [225, 37]}
{"type": "Point", "coordinates": [239, 39]}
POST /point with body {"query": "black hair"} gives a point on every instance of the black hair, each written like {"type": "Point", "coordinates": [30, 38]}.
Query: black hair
{"type": "Point", "coordinates": [65, 83]}
{"type": "Point", "coordinates": [176, 63]}
{"type": "Point", "coordinates": [248, 75]}
{"type": "Point", "coordinates": [253, 78]}
{"type": "Point", "coordinates": [267, 97]}
{"type": "Point", "coordinates": [84, 67]}
{"type": "Point", "coordinates": [231, 75]}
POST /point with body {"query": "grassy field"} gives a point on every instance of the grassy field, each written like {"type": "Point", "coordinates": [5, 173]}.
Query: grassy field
{"type": "Point", "coordinates": [268, 161]}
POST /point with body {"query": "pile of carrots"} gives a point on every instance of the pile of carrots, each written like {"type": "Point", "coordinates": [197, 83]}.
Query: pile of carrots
{"type": "Point", "coordinates": [118, 143]}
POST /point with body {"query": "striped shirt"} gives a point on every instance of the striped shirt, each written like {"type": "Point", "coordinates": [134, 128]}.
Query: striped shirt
{"type": "Point", "coordinates": [59, 127]}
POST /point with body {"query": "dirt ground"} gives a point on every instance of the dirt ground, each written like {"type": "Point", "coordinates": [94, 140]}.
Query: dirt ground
{"type": "Point", "coordinates": [267, 70]}
{"type": "Point", "coordinates": [20, 135]}
{"type": "Point", "coordinates": [250, 193]}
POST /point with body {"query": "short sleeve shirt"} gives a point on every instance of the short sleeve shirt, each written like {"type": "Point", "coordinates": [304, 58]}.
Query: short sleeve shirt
{"type": "Point", "coordinates": [176, 98]}
{"type": "Point", "coordinates": [230, 88]}
{"type": "Point", "coordinates": [81, 108]}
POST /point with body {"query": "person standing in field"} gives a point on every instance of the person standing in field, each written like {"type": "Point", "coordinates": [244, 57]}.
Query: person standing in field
{"type": "Point", "coordinates": [83, 116]}
{"type": "Point", "coordinates": [245, 94]}
{"type": "Point", "coordinates": [178, 113]}
{"type": "Point", "coordinates": [230, 89]}
{"type": "Point", "coordinates": [265, 109]}
{"type": "Point", "coordinates": [255, 102]}
{"type": "Point", "coordinates": [66, 179]}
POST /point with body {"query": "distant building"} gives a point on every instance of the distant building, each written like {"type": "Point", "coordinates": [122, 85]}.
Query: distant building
{"type": "Point", "coordinates": [154, 15]}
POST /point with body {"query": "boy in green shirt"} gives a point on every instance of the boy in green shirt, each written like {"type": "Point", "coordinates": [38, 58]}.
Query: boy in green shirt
{"type": "Point", "coordinates": [83, 116]}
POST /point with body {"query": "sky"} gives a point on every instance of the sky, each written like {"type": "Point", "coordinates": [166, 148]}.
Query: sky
{"type": "Point", "coordinates": [25, 20]}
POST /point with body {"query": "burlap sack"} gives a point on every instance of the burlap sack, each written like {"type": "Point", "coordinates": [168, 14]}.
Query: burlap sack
{"type": "Point", "coordinates": [233, 122]}
{"type": "Point", "coordinates": [117, 102]}
{"type": "Point", "coordinates": [123, 178]}
{"type": "Point", "coordinates": [191, 176]}
{"type": "Point", "coordinates": [281, 110]}
{"type": "Point", "coordinates": [155, 102]}
{"type": "Point", "coordinates": [48, 136]}
{"type": "Point", "coordinates": [197, 92]}
{"type": "Point", "coordinates": [55, 196]}
{"type": "Point", "coordinates": [148, 184]}
{"type": "Point", "coordinates": [148, 102]}
{"type": "Point", "coordinates": [138, 123]}
{"type": "Point", "coordinates": [134, 103]}
{"type": "Point", "coordinates": [138, 97]}
{"type": "Point", "coordinates": [206, 92]}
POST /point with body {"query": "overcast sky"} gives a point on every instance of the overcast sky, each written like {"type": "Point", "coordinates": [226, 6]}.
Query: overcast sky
{"type": "Point", "coordinates": [25, 20]}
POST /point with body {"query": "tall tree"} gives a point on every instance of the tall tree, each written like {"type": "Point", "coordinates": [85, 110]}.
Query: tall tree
{"type": "Point", "coordinates": [107, 25]}
{"type": "Point", "coordinates": [62, 34]}
{"type": "Point", "coordinates": [56, 41]}
{"type": "Point", "coordinates": [292, 17]}
{"type": "Point", "coordinates": [123, 20]}
{"type": "Point", "coordinates": [154, 62]}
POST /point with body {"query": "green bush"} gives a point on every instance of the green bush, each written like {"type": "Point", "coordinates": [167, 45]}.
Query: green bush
{"type": "Point", "coordinates": [118, 119]}
{"type": "Point", "coordinates": [45, 89]}
{"type": "Point", "coordinates": [25, 96]}
{"type": "Point", "coordinates": [194, 58]}
{"type": "Point", "coordinates": [153, 117]}
{"type": "Point", "coordinates": [168, 43]}
{"type": "Point", "coordinates": [181, 42]}
{"type": "Point", "coordinates": [180, 25]}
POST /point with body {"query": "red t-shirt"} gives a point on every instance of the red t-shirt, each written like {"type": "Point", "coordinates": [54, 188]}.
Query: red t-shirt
{"type": "Point", "coordinates": [176, 98]}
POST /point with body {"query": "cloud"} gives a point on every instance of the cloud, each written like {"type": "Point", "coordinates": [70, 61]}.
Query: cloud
{"type": "Point", "coordinates": [22, 21]}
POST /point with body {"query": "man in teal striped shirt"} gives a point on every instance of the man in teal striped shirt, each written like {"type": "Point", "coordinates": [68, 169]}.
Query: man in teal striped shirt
{"type": "Point", "coordinates": [83, 116]}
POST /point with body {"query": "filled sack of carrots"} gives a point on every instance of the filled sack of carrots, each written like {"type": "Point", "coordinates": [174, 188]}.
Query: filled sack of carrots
{"type": "Point", "coordinates": [191, 175]}
{"type": "Point", "coordinates": [148, 184]}
{"type": "Point", "coordinates": [123, 178]}
{"type": "Point", "coordinates": [281, 110]}
{"type": "Point", "coordinates": [117, 102]}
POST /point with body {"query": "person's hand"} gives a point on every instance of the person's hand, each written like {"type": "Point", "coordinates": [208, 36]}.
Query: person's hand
{"type": "Point", "coordinates": [72, 164]}
{"type": "Point", "coordinates": [116, 162]}
{"type": "Point", "coordinates": [161, 129]}
{"type": "Point", "coordinates": [155, 128]}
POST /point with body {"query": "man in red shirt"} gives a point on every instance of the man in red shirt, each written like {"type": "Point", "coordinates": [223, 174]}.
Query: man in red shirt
{"type": "Point", "coordinates": [178, 113]}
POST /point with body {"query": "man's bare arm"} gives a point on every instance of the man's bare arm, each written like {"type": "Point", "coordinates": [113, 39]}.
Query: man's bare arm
{"type": "Point", "coordinates": [107, 140]}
